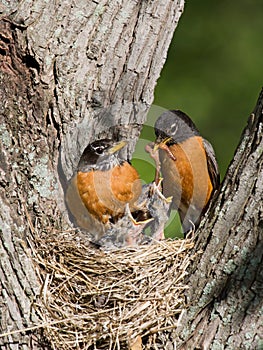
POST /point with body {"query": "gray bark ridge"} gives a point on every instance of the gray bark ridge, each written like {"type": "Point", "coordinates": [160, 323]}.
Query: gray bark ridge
{"type": "Point", "coordinates": [225, 294]}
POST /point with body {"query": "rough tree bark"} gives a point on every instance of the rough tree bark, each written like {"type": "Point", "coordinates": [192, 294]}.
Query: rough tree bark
{"type": "Point", "coordinates": [226, 294]}
{"type": "Point", "coordinates": [69, 70]}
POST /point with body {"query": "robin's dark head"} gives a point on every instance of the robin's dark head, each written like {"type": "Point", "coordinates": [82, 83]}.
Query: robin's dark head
{"type": "Point", "coordinates": [101, 155]}
{"type": "Point", "coordinates": [175, 125]}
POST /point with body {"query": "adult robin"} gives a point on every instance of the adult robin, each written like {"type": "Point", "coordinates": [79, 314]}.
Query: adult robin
{"type": "Point", "coordinates": [106, 198]}
{"type": "Point", "coordinates": [188, 166]}
{"type": "Point", "coordinates": [107, 182]}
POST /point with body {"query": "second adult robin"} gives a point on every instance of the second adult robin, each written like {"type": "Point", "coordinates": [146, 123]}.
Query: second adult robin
{"type": "Point", "coordinates": [106, 182]}
{"type": "Point", "coordinates": [188, 165]}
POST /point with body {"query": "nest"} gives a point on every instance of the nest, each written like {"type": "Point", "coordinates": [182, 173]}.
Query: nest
{"type": "Point", "coordinates": [124, 299]}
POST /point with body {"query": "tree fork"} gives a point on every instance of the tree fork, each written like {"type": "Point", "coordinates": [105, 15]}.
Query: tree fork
{"type": "Point", "coordinates": [57, 71]}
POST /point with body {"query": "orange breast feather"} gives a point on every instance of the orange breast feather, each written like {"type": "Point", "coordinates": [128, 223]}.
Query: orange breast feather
{"type": "Point", "coordinates": [105, 193]}
{"type": "Point", "coordinates": [186, 178]}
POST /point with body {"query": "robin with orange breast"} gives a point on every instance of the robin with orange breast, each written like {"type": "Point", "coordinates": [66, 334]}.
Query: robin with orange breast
{"type": "Point", "coordinates": [188, 166]}
{"type": "Point", "coordinates": [108, 201]}
{"type": "Point", "coordinates": [106, 182]}
{"type": "Point", "coordinates": [104, 185]}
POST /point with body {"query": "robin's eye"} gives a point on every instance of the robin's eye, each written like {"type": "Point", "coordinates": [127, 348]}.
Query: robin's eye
{"type": "Point", "coordinates": [100, 150]}
{"type": "Point", "coordinates": [173, 128]}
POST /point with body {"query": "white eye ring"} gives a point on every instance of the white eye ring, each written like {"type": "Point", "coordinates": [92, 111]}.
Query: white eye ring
{"type": "Point", "coordinates": [98, 149]}
{"type": "Point", "coordinates": [174, 128]}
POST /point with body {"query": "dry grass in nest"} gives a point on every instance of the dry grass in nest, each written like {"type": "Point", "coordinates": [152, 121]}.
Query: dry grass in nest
{"type": "Point", "coordinates": [96, 300]}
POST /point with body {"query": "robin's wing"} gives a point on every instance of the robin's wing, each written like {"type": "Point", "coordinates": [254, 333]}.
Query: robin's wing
{"type": "Point", "coordinates": [79, 214]}
{"type": "Point", "coordinates": [212, 164]}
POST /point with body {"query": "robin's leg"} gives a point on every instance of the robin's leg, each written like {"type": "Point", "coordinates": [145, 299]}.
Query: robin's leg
{"type": "Point", "coordinates": [190, 221]}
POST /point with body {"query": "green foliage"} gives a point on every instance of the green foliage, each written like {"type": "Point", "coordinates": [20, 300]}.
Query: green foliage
{"type": "Point", "coordinates": [214, 73]}
{"type": "Point", "coordinates": [214, 69]}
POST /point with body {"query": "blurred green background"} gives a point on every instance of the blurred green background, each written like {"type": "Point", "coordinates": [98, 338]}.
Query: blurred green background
{"type": "Point", "coordinates": [213, 72]}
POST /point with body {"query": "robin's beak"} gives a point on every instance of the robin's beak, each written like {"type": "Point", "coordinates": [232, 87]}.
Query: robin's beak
{"type": "Point", "coordinates": [116, 147]}
{"type": "Point", "coordinates": [159, 143]}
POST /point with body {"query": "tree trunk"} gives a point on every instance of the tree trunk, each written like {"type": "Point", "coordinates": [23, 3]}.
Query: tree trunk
{"type": "Point", "coordinates": [225, 297]}
{"type": "Point", "coordinates": [69, 71]}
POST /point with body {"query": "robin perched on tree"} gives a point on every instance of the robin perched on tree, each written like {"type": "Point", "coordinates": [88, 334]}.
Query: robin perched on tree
{"type": "Point", "coordinates": [104, 184]}
{"type": "Point", "coordinates": [188, 166]}
{"type": "Point", "coordinates": [107, 199]}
